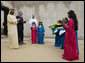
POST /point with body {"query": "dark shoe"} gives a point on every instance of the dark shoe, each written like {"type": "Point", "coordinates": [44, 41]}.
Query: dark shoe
{"type": "Point", "coordinates": [62, 47]}
{"type": "Point", "coordinates": [20, 43]}
{"type": "Point", "coordinates": [23, 43]}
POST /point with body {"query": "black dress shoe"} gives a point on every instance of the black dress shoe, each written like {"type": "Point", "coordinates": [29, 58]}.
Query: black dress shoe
{"type": "Point", "coordinates": [23, 43]}
{"type": "Point", "coordinates": [20, 43]}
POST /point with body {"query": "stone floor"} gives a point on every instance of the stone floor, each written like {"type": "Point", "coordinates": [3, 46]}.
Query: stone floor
{"type": "Point", "coordinates": [35, 52]}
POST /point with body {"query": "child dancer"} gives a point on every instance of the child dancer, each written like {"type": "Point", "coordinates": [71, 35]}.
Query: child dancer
{"type": "Point", "coordinates": [62, 36]}
{"type": "Point", "coordinates": [40, 31]}
{"type": "Point", "coordinates": [34, 33]}
{"type": "Point", "coordinates": [57, 37]}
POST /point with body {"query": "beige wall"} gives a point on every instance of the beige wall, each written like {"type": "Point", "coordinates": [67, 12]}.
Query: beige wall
{"type": "Point", "coordinates": [49, 12]}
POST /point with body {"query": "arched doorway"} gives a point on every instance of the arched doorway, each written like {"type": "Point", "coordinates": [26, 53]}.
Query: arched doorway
{"type": "Point", "coordinates": [4, 23]}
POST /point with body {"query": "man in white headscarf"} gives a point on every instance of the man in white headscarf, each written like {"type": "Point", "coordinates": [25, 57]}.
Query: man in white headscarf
{"type": "Point", "coordinates": [12, 29]}
{"type": "Point", "coordinates": [33, 20]}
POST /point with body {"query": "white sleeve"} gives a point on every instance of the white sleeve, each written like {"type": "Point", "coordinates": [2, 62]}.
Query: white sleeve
{"type": "Point", "coordinates": [36, 22]}
{"type": "Point", "coordinates": [61, 32]}
{"type": "Point", "coordinates": [12, 19]}
{"type": "Point", "coordinates": [56, 30]}
{"type": "Point", "coordinates": [30, 22]}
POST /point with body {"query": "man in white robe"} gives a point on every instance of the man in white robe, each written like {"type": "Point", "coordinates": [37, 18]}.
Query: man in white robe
{"type": "Point", "coordinates": [12, 29]}
{"type": "Point", "coordinates": [33, 20]}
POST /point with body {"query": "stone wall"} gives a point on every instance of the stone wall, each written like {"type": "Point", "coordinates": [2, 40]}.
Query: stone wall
{"type": "Point", "coordinates": [49, 12]}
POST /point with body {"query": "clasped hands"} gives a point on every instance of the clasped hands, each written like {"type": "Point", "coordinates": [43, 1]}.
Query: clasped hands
{"type": "Point", "coordinates": [23, 20]}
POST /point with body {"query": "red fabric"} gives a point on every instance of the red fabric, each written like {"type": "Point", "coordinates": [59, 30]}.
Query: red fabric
{"type": "Point", "coordinates": [70, 44]}
{"type": "Point", "coordinates": [34, 35]}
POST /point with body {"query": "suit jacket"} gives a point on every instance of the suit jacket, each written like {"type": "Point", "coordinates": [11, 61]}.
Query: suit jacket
{"type": "Point", "coordinates": [20, 24]}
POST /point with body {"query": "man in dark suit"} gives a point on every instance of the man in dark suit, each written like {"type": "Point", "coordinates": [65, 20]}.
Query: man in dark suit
{"type": "Point", "coordinates": [20, 27]}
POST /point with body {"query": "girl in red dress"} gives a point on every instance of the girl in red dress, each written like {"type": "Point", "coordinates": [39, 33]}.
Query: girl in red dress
{"type": "Point", "coordinates": [34, 33]}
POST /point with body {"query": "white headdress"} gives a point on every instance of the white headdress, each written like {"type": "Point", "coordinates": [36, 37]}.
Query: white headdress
{"type": "Point", "coordinates": [9, 11]}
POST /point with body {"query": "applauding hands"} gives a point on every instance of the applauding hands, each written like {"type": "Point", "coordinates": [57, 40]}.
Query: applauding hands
{"type": "Point", "coordinates": [18, 19]}
{"type": "Point", "coordinates": [25, 20]}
